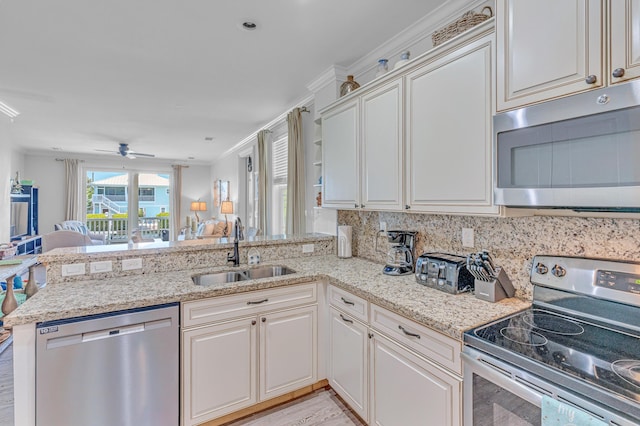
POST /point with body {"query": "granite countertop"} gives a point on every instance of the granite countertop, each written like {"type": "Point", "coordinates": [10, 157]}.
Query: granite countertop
{"type": "Point", "coordinates": [449, 314]}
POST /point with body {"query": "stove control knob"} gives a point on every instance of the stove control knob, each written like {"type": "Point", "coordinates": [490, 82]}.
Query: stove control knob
{"type": "Point", "coordinates": [559, 357]}
{"type": "Point", "coordinates": [541, 268]}
{"type": "Point", "coordinates": [558, 271]}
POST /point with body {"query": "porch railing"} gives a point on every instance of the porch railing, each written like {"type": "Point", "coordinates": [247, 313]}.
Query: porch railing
{"type": "Point", "coordinates": [116, 230]}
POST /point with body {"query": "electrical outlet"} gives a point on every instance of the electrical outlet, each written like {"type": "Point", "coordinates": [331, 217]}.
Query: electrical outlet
{"type": "Point", "coordinates": [308, 248]}
{"type": "Point", "coordinates": [383, 226]}
{"type": "Point", "coordinates": [104, 266]}
{"type": "Point", "coordinates": [130, 264]}
{"type": "Point", "coordinates": [73, 269]}
{"type": "Point", "coordinates": [467, 237]}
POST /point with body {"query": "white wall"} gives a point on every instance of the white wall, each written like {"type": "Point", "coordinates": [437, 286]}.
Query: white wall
{"type": "Point", "coordinates": [48, 174]}
{"type": "Point", "coordinates": [227, 168]}
{"type": "Point", "coordinates": [11, 161]}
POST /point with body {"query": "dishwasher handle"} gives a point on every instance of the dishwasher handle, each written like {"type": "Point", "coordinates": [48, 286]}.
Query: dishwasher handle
{"type": "Point", "coordinates": [112, 332]}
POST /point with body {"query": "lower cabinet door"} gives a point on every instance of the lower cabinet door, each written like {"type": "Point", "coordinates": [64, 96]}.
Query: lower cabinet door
{"type": "Point", "coordinates": [348, 361]}
{"type": "Point", "coordinates": [288, 351]}
{"type": "Point", "coordinates": [218, 370]}
{"type": "Point", "coordinates": [408, 390]}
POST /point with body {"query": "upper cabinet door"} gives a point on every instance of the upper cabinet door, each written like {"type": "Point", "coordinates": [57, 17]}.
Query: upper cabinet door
{"type": "Point", "coordinates": [340, 161]}
{"type": "Point", "coordinates": [448, 136]}
{"type": "Point", "coordinates": [547, 49]}
{"type": "Point", "coordinates": [381, 147]}
{"type": "Point", "coordinates": [625, 40]}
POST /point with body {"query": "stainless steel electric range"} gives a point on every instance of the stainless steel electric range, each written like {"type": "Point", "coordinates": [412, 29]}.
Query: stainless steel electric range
{"type": "Point", "coordinates": [578, 344]}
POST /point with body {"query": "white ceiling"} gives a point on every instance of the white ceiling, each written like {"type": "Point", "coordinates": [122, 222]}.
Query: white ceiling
{"type": "Point", "coordinates": [162, 75]}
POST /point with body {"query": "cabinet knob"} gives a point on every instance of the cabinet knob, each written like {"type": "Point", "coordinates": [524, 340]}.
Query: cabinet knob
{"type": "Point", "coordinates": [370, 335]}
{"type": "Point", "coordinates": [618, 72]}
{"type": "Point", "coordinates": [253, 322]}
{"type": "Point", "coordinates": [407, 206]}
{"type": "Point", "coordinates": [362, 206]}
{"type": "Point", "coordinates": [591, 79]}
{"type": "Point", "coordinates": [355, 205]}
{"type": "Point", "coordinates": [264, 319]}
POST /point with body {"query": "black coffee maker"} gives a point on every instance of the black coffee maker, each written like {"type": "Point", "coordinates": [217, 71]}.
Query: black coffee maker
{"type": "Point", "coordinates": [400, 255]}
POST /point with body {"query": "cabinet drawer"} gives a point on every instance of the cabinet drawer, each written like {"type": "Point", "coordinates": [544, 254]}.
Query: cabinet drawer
{"type": "Point", "coordinates": [347, 302]}
{"type": "Point", "coordinates": [433, 345]}
{"type": "Point", "coordinates": [226, 307]}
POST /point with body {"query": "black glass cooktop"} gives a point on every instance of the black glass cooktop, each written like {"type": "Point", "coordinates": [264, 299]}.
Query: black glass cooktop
{"type": "Point", "coordinates": [602, 356]}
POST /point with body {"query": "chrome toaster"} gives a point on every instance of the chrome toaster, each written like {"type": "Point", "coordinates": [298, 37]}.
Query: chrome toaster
{"type": "Point", "coordinates": [445, 272]}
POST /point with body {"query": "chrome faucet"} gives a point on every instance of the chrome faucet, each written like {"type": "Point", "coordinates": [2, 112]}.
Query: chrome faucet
{"type": "Point", "coordinates": [238, 235]}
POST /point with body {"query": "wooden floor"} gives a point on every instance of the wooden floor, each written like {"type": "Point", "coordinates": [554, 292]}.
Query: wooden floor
{"type": "Point", "coordinates": [6, 387]}
{"type": "Point", "coordinates": [322, 407]}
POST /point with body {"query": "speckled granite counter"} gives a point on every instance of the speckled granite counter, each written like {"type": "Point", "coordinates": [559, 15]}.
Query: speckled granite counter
{"type": "Point", "coordinates": [451, 315]}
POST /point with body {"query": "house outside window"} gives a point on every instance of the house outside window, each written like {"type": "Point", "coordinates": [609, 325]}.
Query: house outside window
{"type": "Point", "coordinates": [146, 194]}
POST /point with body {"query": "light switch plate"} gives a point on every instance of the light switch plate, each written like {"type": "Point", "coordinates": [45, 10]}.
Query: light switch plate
{"type": "Point", "coordinates": [73, 269]}
{"type": "Point", "coordinates": [308, 248]}
{"type": "Point", "coordinates": [130, 264]}
{"type": "Point", "coordinates": [468, 238]}
{"type": "Point", "coordinates": [103, 266]}
{"type": "Point", "coordinates": [383, 226]}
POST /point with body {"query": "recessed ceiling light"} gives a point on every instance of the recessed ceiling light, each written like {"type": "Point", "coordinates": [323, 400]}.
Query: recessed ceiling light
{"type": "Point", "coordinates": [56, 148]}
{"type": "Point", "coordinates": [208, 138]}
{"type": "Point", "coordinates": [191, 158]}
{"type": "Point", "coordinates": [249, 25]}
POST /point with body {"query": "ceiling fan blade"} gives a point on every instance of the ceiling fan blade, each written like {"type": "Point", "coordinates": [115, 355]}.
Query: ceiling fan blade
{"type": "Point", "coordinates": [107, 150]}
{"type": "Point", "coordinates": [141, 154]}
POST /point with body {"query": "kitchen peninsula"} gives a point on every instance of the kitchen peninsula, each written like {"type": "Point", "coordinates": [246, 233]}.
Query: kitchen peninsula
{"type": "Point", "coordinates": [165, 277]}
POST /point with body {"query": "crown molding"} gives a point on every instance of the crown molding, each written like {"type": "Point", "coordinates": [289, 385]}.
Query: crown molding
{"type": "Point", "coordinates": [330, 75]}
{"type": "Point", "coordinates": [420, 30]}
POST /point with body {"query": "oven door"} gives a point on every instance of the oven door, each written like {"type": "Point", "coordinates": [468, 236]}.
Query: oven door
{"type": "Point", "coordinates": [497, 394]}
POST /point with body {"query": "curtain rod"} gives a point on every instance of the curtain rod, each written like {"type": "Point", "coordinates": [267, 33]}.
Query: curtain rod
{"type": "Point", "coordinates": [62, 159]}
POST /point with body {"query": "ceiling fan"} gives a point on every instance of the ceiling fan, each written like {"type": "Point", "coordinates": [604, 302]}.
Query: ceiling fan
{"type": "Point", "coordinates": [125, 151]}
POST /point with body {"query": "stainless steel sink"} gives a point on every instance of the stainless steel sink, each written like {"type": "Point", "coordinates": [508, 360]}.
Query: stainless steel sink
{"type": "Point", "coordinates": [219, 278]}
{"type": "Point", "coordinates": [268, 271]}
{"type": "Point", "coordinates": [242, 275]}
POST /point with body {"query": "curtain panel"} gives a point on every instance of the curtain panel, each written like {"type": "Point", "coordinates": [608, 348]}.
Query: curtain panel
{"type": "Point", "coordinates": [296, 222]}
{"type": "Point", "coordinates": [72, 193]}
{"type": "Point", "coordinates": [263, 183]}
{"type": "Point", "coordinates": [176, 198]}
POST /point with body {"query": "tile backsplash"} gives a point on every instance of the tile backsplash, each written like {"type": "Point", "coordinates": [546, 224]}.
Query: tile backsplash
{"type": "Point", "coordinates": [512, 241]}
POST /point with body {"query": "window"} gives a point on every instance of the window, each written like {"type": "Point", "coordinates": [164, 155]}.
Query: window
{"type": "Point", "coordinates": [115, 193]}
{"type": "Point", "coordinates": [146, 194]}
{"type": "Point", "coordinates": [279, 159]}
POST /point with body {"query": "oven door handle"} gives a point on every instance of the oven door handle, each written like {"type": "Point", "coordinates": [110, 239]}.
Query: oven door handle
{"type": "Point", "coordinates": [502, 377]}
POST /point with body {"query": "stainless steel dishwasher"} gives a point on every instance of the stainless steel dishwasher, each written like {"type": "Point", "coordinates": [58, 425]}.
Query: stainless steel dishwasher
{"type": "Point", "coordinates": [119, 368]}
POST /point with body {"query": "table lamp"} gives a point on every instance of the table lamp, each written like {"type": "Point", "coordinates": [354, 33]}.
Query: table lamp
{"type": "Point", "coordinates": [198, 206]}
{"type": "Point", "coordinates": [226, 208]}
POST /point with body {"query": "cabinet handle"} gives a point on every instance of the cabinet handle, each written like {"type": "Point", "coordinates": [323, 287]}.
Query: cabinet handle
{"type": "Point", "coordinates": [264, 319]}
{"type": "Point", "coordinates": [591, 79]}
{"type": "Point", "coordinates": [346, 319]}
{"type": "Point", "coordinates": [618, 72]}
{"type": "Point", "coordinates": [253, 322]}
{"type": "Point", "coordinates": [258, 302]}
{"type": "Point", "coordinates": [347, 302]}
{"type": "Point", "coordinates": [408, 333]}
{"type": "Point", "coordinates": [370, 335]}
{"type": "Point", "coordinates": [407, 206]}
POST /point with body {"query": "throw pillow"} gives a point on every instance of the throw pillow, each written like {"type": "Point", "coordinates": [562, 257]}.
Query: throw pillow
{"type": "Point", "coordinates": [209, 228]}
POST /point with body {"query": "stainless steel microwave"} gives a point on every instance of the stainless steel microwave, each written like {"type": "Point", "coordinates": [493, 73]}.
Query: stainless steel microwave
{"type": "Point", "coordinates": [580, 152]}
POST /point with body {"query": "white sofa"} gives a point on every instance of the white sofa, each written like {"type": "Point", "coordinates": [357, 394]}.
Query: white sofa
{"type": "Point", "coordinates": [213, 228]}
{"type": "Point", "coordinates": [76, 225]}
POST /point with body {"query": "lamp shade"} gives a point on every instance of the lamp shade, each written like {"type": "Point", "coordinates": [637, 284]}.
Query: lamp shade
{"type": "Point", "coordinates": [198, 206]}
{"type": "Point", "coordinates": [226, 207]}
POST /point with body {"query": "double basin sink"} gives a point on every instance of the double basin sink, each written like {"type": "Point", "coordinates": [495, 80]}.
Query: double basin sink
{"type": "Point", "coordinates": [241, 275]}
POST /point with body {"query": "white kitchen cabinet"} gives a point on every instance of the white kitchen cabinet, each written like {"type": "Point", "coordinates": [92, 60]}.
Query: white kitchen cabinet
{"type": "Point", "coordinates": [349, 361]}
{"type": "Point", "coordinates": [547, 49]}
{"type": "Point", "coordinates": [288, 351]}
{"type": "Point", "coordinates": [449, 132]}
{"type": "Point", "coordinates": [382, 148]}
{"type": "Point", "coordinates": [219, 370]}
{"type": "Point", "coordinates": [362, 151]}
{"type": "Point", "coordinates": [340, 156]}
{"type": "Point", "coordinates": [409, 390]}
{"type": "Point", "coordinates": [242, 349]}
{"type": "Point", "coordinates": [624, 27]}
